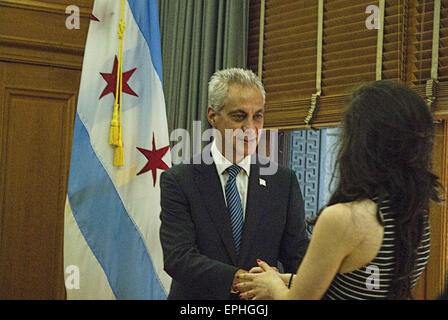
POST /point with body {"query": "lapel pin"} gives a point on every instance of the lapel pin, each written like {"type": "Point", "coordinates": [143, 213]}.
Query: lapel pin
{"type": "Point", "coordinates": [262, 182]}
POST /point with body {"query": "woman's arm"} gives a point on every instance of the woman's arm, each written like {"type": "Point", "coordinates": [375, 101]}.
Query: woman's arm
{"type": "Point", "coordinates": [334, 237]}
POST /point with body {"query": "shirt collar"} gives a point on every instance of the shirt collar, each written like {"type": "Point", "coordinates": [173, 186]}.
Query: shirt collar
{"type": "Point", "coordinates": [222, 163]}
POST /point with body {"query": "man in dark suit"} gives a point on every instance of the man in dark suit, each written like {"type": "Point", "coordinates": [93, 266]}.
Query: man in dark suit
{"type": "Point", "coordinates": [220, 216]}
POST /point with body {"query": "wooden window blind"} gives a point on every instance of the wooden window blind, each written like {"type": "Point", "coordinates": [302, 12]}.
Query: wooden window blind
{"type": "Point", "coordinates": [441, 104]}
{"type": "Point", "coordinates": [254, 35]}
{"type": "Point", "coordinates": [420, 40]}
{"type": "Point", "coordinates": [349, 55]}
{"type": "Point", "coordinates": [289, 58]}
{"type": "Point", "coordinates": [421, 14]}
{"type": "Point", "coordinates": [443, 43]}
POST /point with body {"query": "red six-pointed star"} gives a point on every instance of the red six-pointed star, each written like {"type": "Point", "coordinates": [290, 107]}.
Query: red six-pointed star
{"type": "Point", "coordinates": [111, 79]}
{"type": "Point", "coordinates": [155, 161]}
{"type": "Point", "coordinates": [93, 18]}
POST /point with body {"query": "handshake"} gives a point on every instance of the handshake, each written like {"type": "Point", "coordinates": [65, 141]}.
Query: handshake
{"type": "Point", "coordinates": [261, 283]}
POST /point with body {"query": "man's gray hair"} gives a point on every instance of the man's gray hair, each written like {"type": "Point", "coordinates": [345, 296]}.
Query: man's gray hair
{"type": "Point", "coordinates": [220, 81]}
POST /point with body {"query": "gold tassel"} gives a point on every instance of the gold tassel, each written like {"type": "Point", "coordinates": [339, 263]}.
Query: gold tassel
{"type": "Point", "coordinates": [118, 155]}
{"type": "Point", "coordinates": [114, 136]}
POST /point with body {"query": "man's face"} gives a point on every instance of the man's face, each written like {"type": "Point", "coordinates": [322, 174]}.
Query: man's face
{"type": "Point", "coordinates": [243, 117]}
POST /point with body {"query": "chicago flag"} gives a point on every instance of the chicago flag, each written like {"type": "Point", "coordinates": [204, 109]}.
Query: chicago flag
{"type": "Point", "coordinates": [112, 212]}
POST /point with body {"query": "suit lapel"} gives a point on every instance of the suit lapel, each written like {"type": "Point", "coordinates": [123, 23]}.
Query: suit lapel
{"type": "Point", "coordinates": [209, 185]}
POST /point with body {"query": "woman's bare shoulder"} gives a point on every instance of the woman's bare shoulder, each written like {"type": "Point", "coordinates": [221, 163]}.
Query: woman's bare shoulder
{"type": "Point", "coordinates": [351, 210]}
{"type": "Point", "coordinates": [350, 219]}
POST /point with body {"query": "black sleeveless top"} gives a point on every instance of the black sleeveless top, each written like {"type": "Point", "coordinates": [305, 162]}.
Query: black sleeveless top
{"type": "Point", "coordinates": [373, 281]}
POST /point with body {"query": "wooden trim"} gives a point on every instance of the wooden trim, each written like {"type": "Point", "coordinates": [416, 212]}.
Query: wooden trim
{"type": "Point", "coordinates": [41, 6]}
{"type": "Point", "coordinates": [284, 147]}
{"type": "Point", "coordinates": [67, 101]}
{"type": "Point", "coordinates": [444, 216]}
{"type": "Point", "coordinates": [70, 98]}
{"type": "Point", "coordinates": [16, 49]}
{"type": "Point", "coordinates": [42, 45]}
{"type": "Point", "coordinates": [438, 262]}
{"type": "Point", "coordinates": [28, 34]}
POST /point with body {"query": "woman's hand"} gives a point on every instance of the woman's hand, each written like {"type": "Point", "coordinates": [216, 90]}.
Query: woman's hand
{"type": "Point", "coordinates": [284, 276]}
{"type": "Point", "coordinates": [263, 283]}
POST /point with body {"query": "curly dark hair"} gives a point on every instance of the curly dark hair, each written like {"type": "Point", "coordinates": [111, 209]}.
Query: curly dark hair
{"type": "Point", "coordinates": [385, 151]}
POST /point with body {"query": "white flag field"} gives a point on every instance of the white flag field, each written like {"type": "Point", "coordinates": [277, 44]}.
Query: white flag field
{"type": "Point", "coordinates": [112, 222]}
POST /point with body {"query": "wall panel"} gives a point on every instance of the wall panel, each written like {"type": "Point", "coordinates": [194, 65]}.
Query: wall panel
{"type": "Point", "coordinates": [40, 69]}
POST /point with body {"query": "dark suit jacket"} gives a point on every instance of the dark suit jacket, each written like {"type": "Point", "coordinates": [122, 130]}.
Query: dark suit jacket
{"type": "Point", "coordinates": [196, 232]}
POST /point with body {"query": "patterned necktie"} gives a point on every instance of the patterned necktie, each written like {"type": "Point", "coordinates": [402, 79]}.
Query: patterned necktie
{"type": "Point", "coordinates": [234, 206]}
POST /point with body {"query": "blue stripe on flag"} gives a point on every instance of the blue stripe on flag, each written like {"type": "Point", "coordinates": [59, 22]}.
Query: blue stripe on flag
{"type": "Point", "coordinates": [146, 15]}
{"type": "Point", "coordinates": [105, 224]}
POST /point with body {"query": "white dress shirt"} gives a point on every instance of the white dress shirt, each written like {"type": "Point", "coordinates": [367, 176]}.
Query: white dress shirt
{"type": "Point", "coordinates": [242, 179]}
